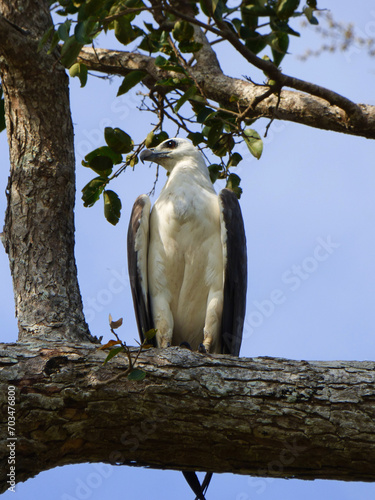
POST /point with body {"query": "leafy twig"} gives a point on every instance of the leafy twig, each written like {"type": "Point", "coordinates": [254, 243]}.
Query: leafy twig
{"type": "Point", "coordinates": [131, 372]}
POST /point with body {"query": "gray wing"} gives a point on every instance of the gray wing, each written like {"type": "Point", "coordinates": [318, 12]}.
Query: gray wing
{"type": "Point", "coordinates": [235, 273]}
{"type": "Point", "coordinates": [138, 238]}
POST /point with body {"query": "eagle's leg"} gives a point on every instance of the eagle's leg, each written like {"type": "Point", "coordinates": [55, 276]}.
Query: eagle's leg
{"type": "Point", "coordinates": [211, 332]}
{"type": "Point", "coordinates": [163, 321]}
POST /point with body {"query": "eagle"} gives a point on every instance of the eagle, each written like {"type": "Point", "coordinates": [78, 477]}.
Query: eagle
{"type": "Point", "coordinates": [187, 261]}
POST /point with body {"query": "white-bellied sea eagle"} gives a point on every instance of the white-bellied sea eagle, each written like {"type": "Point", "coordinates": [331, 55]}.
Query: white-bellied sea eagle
{"type": "Point", "coordinates": [187, 260]}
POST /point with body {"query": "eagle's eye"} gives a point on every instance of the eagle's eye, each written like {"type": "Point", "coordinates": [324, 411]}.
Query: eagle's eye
{"type": "Point", "coordinates": [171, 144]}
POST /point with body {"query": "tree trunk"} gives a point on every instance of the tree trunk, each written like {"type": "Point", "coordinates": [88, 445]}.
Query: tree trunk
{"type": "Point", "coordinates": [39, 224]}
{"type": "Point", "coordinates": [261, 416]}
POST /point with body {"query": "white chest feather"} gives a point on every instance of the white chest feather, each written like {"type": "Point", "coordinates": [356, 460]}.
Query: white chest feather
{"type": "Point", "coordinates": [186, 250]}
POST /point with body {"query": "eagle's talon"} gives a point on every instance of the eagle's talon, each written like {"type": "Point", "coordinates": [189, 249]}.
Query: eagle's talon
{"type": "Point", "coordinates": [202, 349]}
{"type": "Point", "coordinates": [186, 345]}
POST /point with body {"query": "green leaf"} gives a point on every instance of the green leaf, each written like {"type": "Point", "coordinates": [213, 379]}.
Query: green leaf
{"type": "Point", "coordinates": [130, 81]}
{"type": "Point", "coordinates": [112, 207]}
{"type": "Point", "coordinates": [79, 70]}
{"type": "Point", "coordinates": [118, 140]}
{"type": "Point", "coordinates": [285, 8]}
{"type": "Point", "coordinates": [234, 160]}
{"type": "Point", "coordinates": [160, 61]}
{"type": "Point", "coordinates": [169, 82]}
{"type": "Point", "coordinates": [214, 171]}
{"type": "Point", "coordinates": [183, 31]}
{"type": "Point", "coordinates": [69, 8]}
{"type": "Point", "coordinates": [63, 30]}
{"type": "Point", "coordinates": [152, 140]}
{"type": "Point", "coordinates": [279, 47]}
{"type": "Point", "coordinates": [46, 36]}
{"type": "Point", "coordinates": [70, 51]}
{"type": "Point", "coordinates": [125, 32]}
{"type": "Point", "coordinates": [187, 47]}
{"type": "Point", "coordinates": [151, 43]}
{"type": "Point", "coordinates": [283, 26]}
{"type": "Point", "coordinates": [92, 191]}
{"type": "Point", "coordinates": [253, 142]}
{"type": "Point", "coordinates": [173, 67]}
{"type": "Point", "coordinates": [112, 353]}
{"type": "Point", "coordinates": [214, 4]}
{"type": "Point", "coordinates": [233, 183]}
{"type": "Point", "coordinates": [150, 27]}
{"type": "Point", "coordinates": [132, 160]}
{"type": "Point", "coordinates": [254, 41]}
{"type": "Point", "coordinates": [161, 136]}
{"type": "Point", "coordinates": [237, 23]}
{"type": "Point", "coordinates": [217, 8]}
{"type": "Point", "coordinates": [309, 13]}
{"type": "Point", "coordinates": [55, 40]}
{"type": "Point", "coordinates": [196, 138]}
{"type": "Point", "coordinates": [102, 165]}
{"type": "Point", "coordinates": [203, 114]}
{"type": "Point", "coordinates": [256, 8]}
{"type": "Point", "coordinates": [188, 95]}
{"type": "Point", "coordinates": [102, 151]}
{"type": "Point", "coordinates": [136, 375]}
{"type": "Point", "coordinates": [150, 334]}
{"type": "Point", "coordinates": [223, 145]}
{"type": "Point", "coordinates": [213, 133]}
{"type": "Point", "coordinates": [249, 20]}
{"type": "Point", "coordinates": [82, 32]}
{"type": "Point", "coordinates": [89, 8]}
{"type": "Point", "coordinates": [169, 65]}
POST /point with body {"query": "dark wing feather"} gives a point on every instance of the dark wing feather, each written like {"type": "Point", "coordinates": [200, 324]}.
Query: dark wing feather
{"type": "Point", "coordinates": [138, 237]}
{"type": "Point", "coordinates": [235, 274]}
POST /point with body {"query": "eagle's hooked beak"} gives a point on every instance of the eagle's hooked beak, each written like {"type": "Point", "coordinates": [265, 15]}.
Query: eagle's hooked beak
{"type": "Point", "coordinates": [152, 155]}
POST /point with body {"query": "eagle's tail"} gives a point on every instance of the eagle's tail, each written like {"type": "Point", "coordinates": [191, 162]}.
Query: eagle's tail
{"type": "Point", "coordinates": [198, 488]}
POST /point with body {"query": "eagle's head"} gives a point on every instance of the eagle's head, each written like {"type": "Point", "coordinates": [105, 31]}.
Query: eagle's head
{"type": "Point", "coordinates": [170, 152]}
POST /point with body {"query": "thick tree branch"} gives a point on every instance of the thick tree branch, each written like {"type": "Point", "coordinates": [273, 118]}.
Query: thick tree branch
{"type": "Point", "coordinates": [261, 416]}
{"type": "Point", "coordinates": [293, 106]}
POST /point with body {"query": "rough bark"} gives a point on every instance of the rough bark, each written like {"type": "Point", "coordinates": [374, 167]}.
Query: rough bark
{"type": "Point", "coordinates": [293, 106]}
{"type": "Point", "coordinates": [261, 416]}
{"type": "Point", "coordinates": [39, 225]}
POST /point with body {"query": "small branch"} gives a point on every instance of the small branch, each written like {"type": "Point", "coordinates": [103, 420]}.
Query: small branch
{"type": "Point", "coordinates": [152, 191]}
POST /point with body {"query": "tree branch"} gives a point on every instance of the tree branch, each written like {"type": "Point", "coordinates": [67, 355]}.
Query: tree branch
{"type": "Point", "coordinates": [353, 111]}
{"type": "Point", "coordinates": [262, 416]}
{"type": "Point", "coordinates": [293, 106]}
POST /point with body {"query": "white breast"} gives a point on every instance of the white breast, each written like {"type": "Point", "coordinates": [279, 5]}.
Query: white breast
{"type": "Point", "coordinates": [186, 249]}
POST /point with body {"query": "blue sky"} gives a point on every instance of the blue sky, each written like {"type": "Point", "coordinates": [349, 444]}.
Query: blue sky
{"type": "Point", "coordinates": [308, 207]}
